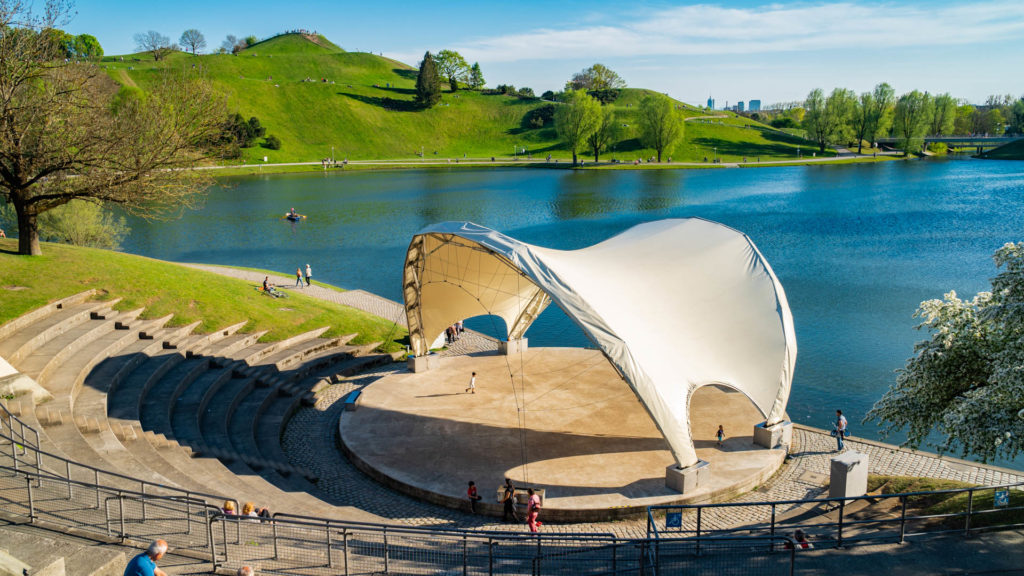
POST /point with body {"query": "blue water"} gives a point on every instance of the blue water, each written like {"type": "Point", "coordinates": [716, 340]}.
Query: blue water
{"type": "Point", "coordinates": [856, 247]}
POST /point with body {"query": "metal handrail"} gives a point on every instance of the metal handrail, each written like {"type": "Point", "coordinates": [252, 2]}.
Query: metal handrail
{"type": "Point", "coordinates": [319, 521]}
{"type": "Point", "coordinates": [842, 522]}
{"type": "Point", "coordinates": [11, 419]}
{"type": "Point", "coordinates": [96, 471]}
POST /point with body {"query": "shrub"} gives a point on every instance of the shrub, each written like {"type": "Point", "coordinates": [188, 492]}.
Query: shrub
{"type": "Point", "coordinates": [525, 92]}
{"type": "Point", "coordinates": [272, 142]}
{"type": "Point", "coordinates": [606, 96]}
{"type": "Point", "coordinates": [506, 89]}
{"type": "Point", "coordinates": [785, 122]}
{"type": "Point", "coordinates": [938, 148]}
{"type": "Point", "coordinates": [540, 116]}
{"type": "Point", "coordinates": [548, 95]}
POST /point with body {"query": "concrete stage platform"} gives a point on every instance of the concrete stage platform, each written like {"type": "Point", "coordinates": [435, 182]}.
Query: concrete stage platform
{"type": "Point", "coordinates": [579, 429]}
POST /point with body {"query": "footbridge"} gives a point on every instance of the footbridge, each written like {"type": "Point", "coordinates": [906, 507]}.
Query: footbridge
{"type": "Point", "coordinates": [979, 142]}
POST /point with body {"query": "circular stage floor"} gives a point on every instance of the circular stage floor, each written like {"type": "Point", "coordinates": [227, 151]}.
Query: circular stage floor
{"type": "Point", "coordinates": [571, 425]}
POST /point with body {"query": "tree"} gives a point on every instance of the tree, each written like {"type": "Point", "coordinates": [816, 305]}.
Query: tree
{"type": "Point", "coordinates": [452, 66]}
{"type": "Point", "coordinates": [606, 133]}
{"type": "Point", "coordinates": [88, 47]}
{"type": "Point", "coordinates": [193, 40]}
{"type": "Point", "coordinates": [872, 114]}
{"type": "Point", "coordinates": [828, 119]}
{"type": "Point", "coordinates": [250, 41]}
{"type": "Point", "coordinates": [428, 85]}
{"type": "Point", "coordinates": [230, 44]}
{"type": "Point", "coordinates": [155, 43]}
{"type": "Point", "coordinates": [944, 117]}
{"type": "Point", "coordinates": [660, 124]}
{"type": "Point", "coordinates": [1017, 126]}
{"type": "Point", "coordinates": [63, 139]}
{"type": "Point", "coordinates": [526, 92]}
{"type": "Point", "coordinates": [597, 77]}
{"type": "Point", "coordinates": [476, 77]}
{"type": "Point", "coordinates": [965, 382]}
{"type": "Point", "coordinates": [577, 119]}
{"type": "Point", "coordinates": [963, 123]}
{"type": "Point", "coordinates": [911, 120]}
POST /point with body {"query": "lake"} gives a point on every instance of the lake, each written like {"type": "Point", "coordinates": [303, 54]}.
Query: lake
{"type": "Point", "coordinates": [856, 247]}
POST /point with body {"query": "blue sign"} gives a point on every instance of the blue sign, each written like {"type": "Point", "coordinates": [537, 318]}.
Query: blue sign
{"type": "Point", "coordinates": [674, 520]}
{"type": "Point", "coordinates": [1002, 498]}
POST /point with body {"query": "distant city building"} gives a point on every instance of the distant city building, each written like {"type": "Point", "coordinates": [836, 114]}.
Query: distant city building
{"type": "Point", "coordinates": [711, 103]}
{"type": "Point", "coordinates": [739, 106]}
{"type": "Point", "coordinates": [755, 106]}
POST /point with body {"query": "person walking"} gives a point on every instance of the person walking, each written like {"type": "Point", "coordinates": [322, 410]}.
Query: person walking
{"type": "Point", "coordinates": [472, 384]}
{"type": "Point", "coordinates": [309, 275]}
{"type": "Point", "coordinates": [508, 501]}
{"type": "Point", "coordinates": [720, 435]}
{"type": "Point", "coordinates": [298, 277]}
{"type": "Point", "coordinates": [533, 510]}
{"type": "Point", "coordinates": [840, 430]}
{"type": "Point", "coordinates": [473, 496]}
{"type": "Point", "coordinates": [145, 564]}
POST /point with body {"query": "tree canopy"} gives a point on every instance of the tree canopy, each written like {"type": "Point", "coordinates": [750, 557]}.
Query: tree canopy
{"type": "Point", "coordinates": [597, 77]}
{"type": "Point", "coordinates": [872, 114]}
{"type": "Point", "coordinates": [452, 66]}
{"type": "Point", "coordinates": [193, 40]}
{"type": "Point", "coordinates": [476, 77]}
{"type": "Point", "coordinates": [577, 119]}
{"type": "Point", "coordinates": [966, 381]}
{"type": "Point", "coordinates": [828, 119]}
{"type": "Point", "coordinates": [155, 43]}
{"type": "Point", "coordinates": [428, 85]}
{"type": "Point", "coordinates": [66, 133]}
{"type": "Point", "coordinates": [660, 125]}
{"type": "Point", "coordinates": [911, 120]}
{"type": "Point", "coordinates": [607, 132]}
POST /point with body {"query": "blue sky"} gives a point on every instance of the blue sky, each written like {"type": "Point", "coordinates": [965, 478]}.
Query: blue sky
{"type": "Point", "coordinates": [736, 51]}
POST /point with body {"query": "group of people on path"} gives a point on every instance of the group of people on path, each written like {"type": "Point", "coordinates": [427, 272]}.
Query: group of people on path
{"type": "Point", "coordinates": [509, 503]}
{"type": "Point", "coordinates": [298, 276]}
{"type": "Point", "coordinates": [454, 332]}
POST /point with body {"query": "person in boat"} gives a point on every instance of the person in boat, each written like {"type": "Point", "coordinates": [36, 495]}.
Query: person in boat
{"type": "Point", "coordinates": [292, 213]}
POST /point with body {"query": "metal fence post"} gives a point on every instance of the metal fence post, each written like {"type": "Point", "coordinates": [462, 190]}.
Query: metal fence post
{"type": "Point", "coordinates": [96, 482]}
{"type": "Point", "coordinates": [188, 513]}
{"type": "Point", "coordinates": [465, 555]}
{"type": "Point", "coordinates": [792, 559]}
{"type": "Point", "coordinates": [773, 521]}
{"type": "Point", "coordinates": [490, 556]}
{"type": "Point", "coordinates": [14, 452]}
{"type": "Point", "coordinates": [903, 518]}
{"type": "Point", "coordinates": [213, 543]}
{"type": "Point", "coordinates": [970, 509]}
{"type": "Point", "coordinates": [143, 485]}
{"type": "Point", "coordinates": [120, 511]}
{"type": "Point", "coordinates": [697, 551]}
{"type": "Point", "coordinates": [31, 501]}
{"type": "Point", "coordinates": [67, 474]}
{"type": "Point", "coordinates": [330, 560]}
{"type": "Point", "coordinates": [385, 550]}
{"type": "Point", "coordinates": [344, 542]}
{"type": "Point", "coordinates": [536, 569]}
{"type": "Point", "coordinates": [273, 531]}
{"type": "Point", "coordinates": [615, 555]}
{"type": "Point", "coordinates": [839, 537]}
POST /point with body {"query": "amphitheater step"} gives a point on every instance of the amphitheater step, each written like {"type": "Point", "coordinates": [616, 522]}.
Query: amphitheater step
{"type": "Point", "coordinates": [27, 340]}
{"type": "Point", "coordinates": [30, 318]}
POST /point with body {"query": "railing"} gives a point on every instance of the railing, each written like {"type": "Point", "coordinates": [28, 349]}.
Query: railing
{"type": "Point", "coordinates": [317, 546]}
{"type": "Point", "coordinates": [22, 436]}
{"type": "Point", "coordinates": [31, 457]}
{"type": "Point", "coordinates": [849, 520]}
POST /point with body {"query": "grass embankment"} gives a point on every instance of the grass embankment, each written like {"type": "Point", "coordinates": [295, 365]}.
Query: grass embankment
{"type": "Point", "coordinates": [1011, 151]}
{"type": "Point", "coordinates": [955, 503]}
{"type": "Point", "coordinates": [365, 110]}
{"type": "Point", "coordinates": [27, 283]}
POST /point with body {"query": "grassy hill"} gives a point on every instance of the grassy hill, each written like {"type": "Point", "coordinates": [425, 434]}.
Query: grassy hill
{"type": "Point", "coordinates": [166, 288]}
{"type": "Point", "coordinates": [1011, 151]}
{"type": "Point", "coordinates": [314, 96]}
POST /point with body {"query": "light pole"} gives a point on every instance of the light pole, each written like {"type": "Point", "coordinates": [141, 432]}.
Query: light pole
{"type": "Point", "coordinates": [332, 154]}
{"type": "Point", "coordinates": [716, 153]}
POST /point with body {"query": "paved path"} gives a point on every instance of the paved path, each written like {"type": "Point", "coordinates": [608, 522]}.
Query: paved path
{"type": "Point", "coordinates": [310, 442]}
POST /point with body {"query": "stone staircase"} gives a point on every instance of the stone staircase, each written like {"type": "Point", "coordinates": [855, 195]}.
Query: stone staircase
{"type": "Point", "coordinates": [200, 412]}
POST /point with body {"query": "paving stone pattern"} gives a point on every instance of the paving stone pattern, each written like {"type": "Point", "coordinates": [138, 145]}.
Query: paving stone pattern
{"type": "Point", "coordinates": [310, 442]}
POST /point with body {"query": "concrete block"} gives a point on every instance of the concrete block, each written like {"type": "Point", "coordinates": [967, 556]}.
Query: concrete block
{"type": "Point", "coordinates": [686, 480]}
{"type": "Point", "coordinates": [774, 436]}
{"type": "Point", "coordinates": [424, 363]}
{"type": "Point", "coordinates": [848, 475]}
{"type": "Point", "coordinates": [512, 347]}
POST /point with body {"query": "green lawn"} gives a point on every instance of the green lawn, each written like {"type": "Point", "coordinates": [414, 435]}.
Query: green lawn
{"type": "Point", "coordinates": [164, 288]}
{"type": "Point", "coordinates": [1011, 151]}
{"type": "Point", "coordinates": [983, 500]}
{"type": "Point", "coordinates": [364, 110]}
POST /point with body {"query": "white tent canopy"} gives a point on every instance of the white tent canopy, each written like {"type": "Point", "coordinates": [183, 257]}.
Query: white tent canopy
{"type": "Point", "coordinates": [673, 304]}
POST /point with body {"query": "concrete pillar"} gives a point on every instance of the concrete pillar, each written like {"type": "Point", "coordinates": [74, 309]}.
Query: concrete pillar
{"type": "Point", "coordinates": [424, 363]}
{"type": "Point", "coordinates": [848, 475]}
{"type": "Point", "coordinates": [513, 347]}
{"type": "Point", "coordinates": [774, 436]}
{"type": "Point", "coordinates": [686, 480]}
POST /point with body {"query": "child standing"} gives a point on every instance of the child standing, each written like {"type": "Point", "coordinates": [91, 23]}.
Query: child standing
{"type": "Point", "coordinates": [472, 384]}
{"type": "Point", "coordinates": [720, 435]}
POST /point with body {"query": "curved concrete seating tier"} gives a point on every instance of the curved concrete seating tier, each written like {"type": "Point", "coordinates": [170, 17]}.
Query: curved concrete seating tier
{"type": "Point", "coordinates": [203, 412]}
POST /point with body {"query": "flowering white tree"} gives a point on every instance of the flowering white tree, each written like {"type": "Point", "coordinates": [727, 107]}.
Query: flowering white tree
{"type": "Point", "coordinates": [967, 380]}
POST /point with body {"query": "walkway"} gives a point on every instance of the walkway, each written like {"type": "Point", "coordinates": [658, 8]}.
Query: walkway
{"type": "Point", "coordinates": [310, 442]}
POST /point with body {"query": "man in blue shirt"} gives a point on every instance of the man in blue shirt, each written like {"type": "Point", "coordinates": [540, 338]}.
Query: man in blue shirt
{"type": "Point", "coordinates": [145, 564]}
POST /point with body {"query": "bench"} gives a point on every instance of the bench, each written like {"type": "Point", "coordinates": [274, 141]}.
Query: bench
{"type": "Point", "coordinates": [351, 400]}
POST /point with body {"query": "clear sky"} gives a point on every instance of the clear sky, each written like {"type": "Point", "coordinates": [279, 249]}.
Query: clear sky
{"type": "Point", "coordinates": [735, 51]}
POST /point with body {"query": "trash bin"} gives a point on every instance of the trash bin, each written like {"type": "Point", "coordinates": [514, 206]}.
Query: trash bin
{"type": "Point", "coordinates": [849, 475]}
